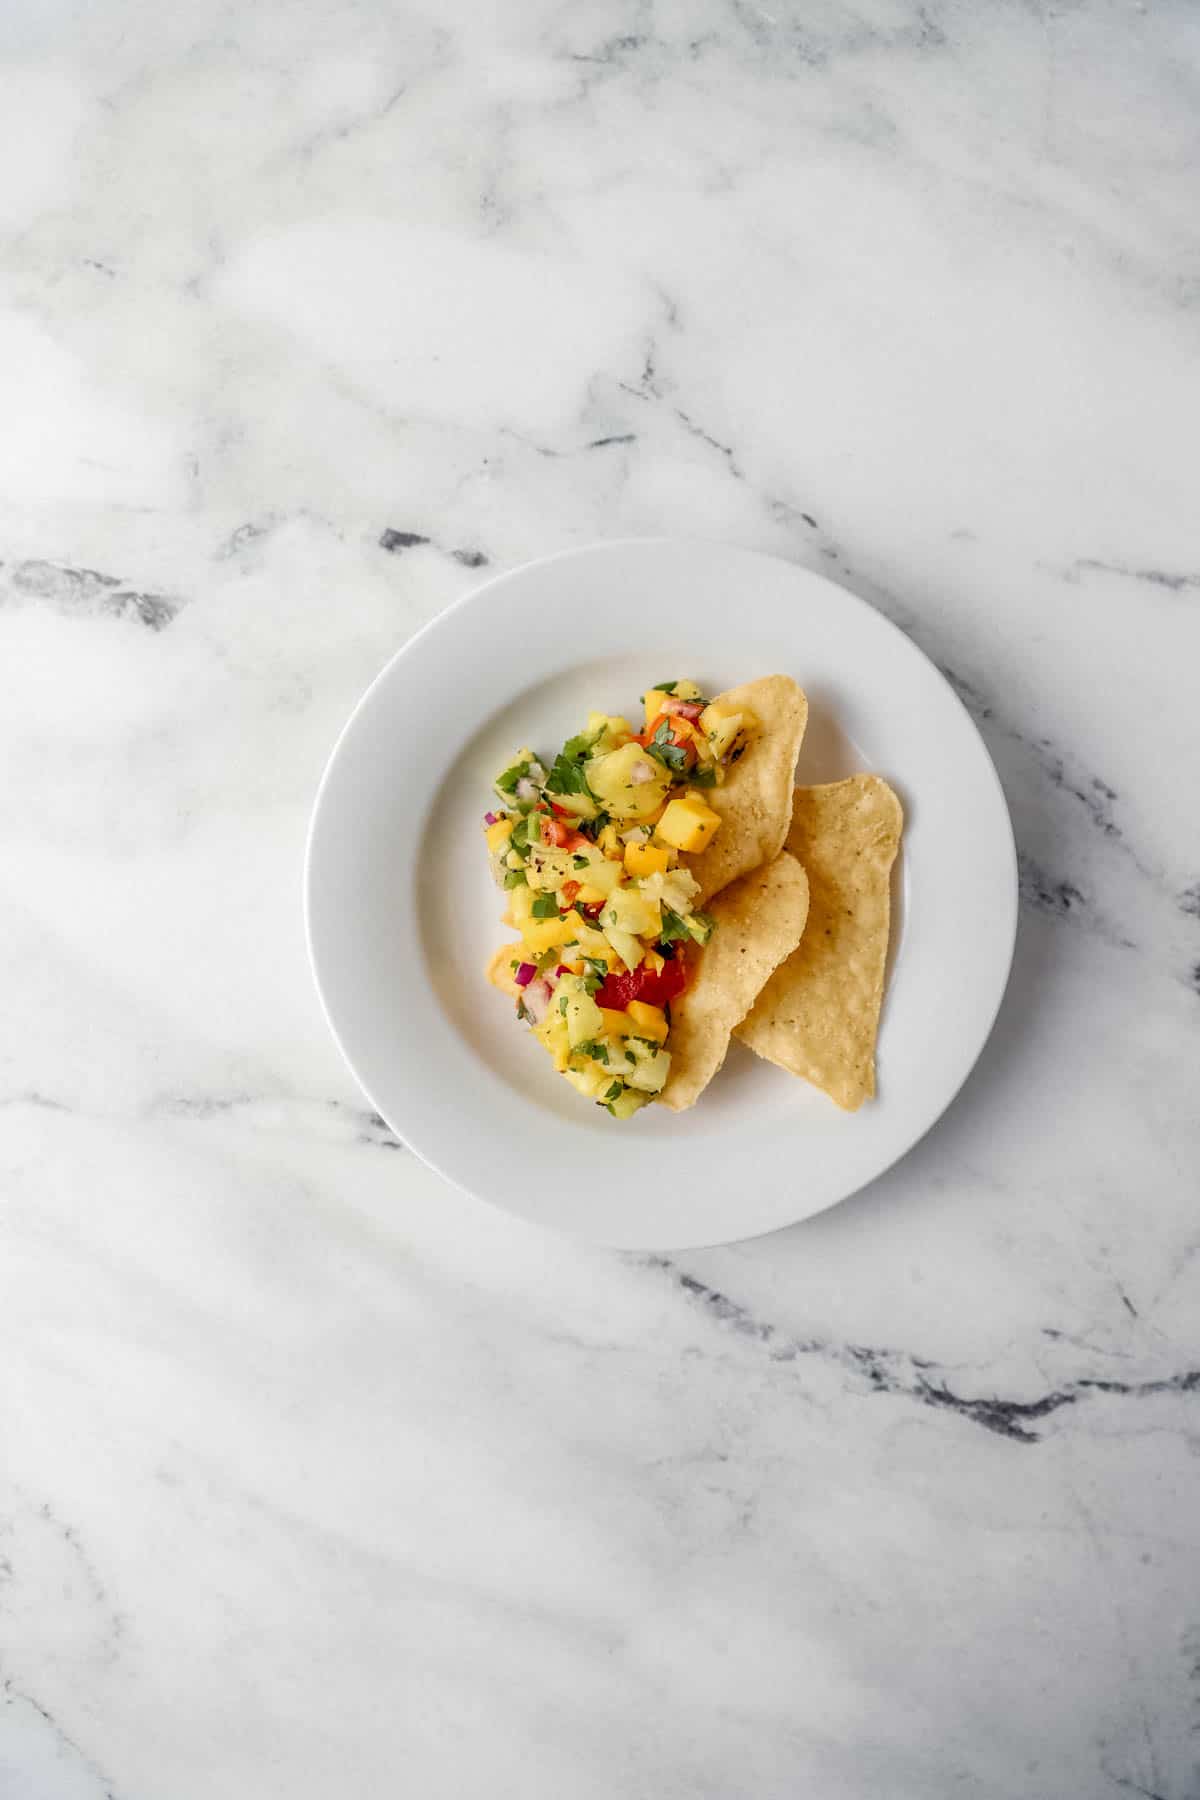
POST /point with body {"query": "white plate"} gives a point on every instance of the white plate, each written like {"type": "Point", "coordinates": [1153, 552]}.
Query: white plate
{"type": "Point", "coordinates": [402, 914]}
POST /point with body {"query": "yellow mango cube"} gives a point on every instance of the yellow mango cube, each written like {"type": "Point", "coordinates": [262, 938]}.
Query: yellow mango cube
{"type": "Point", "coordinates": [648, 1021]}
{"type": "Point", "coordinates": [646, 859]}
{"type": "Point", "coordinates": [498, 834]}
{"type": "Point", "coordinates": [616, 1024]}
{"type": "Point", "coordinates": [544, 934]}
{"type": "Point", "coordinates": [688, 823]}
{"type": "Point", "coordinates": [652, 700]}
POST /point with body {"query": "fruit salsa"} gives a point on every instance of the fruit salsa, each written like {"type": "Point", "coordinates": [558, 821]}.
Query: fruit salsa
{"type": "Point", "coordinates": [592, 851]}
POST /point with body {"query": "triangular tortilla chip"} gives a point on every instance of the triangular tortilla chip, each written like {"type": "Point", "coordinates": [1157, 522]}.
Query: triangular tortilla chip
{"type": "Point", "coordinates": [818, 1015]}
{"type": "Point", "coordinates": [755, 799]}
{"type": "Point", "coordinates": [760, 919]}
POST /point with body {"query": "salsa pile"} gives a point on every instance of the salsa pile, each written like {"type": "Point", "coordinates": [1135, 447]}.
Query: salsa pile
{"type": "Point", "coordinates": [589, 849]}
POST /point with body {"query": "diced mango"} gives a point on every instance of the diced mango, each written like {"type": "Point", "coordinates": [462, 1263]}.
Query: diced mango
{"type": "Point", "coordinates": [498, 834]}
{"type": "Point", "coordinates": [615, 1024]}
{"type": "Point", "coordinates": [544, 934]}
{"type": "Point", "coordinates": [652, 700]}
{"type": "Point", "coordinates": [501, 970]}
{"type": "Point", "coordinates": [646, 859]}
{"type": "Point", "coordinates": [648, 1021]}
{"type": "Point", "coordinates": [688, 823]}
{"type": "Point", "coordinates": [609, 841]}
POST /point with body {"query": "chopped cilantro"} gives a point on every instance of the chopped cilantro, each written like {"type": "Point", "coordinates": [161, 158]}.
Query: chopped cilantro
{"type": "Point", "coordinates": [673, 927]}
{"type": "Point", "coordinates": [597, 1051]}
{"type": "Point", "coordinates": [567, 776]}
{"type": "Point", "coordinates": [596, 973]}
{"type": "Point", "coordinates": [580, 862]}
{"type": "Point", "coordinates": [704, 775]}
{"type": "Point", "coordinates": [562, 1004]}
{"type": "Point", "coordinates": [515, 878]}
{"type": "Point", "coordinates": [661, 746]}
{"type": "Point", "coordinates": [666, 687]}
{"type": "Point", "coordinates": [613, 1091]}
{"type": "Point", "coordinates": [706, 923]}
{"type": "Point", "coordinates": [545, 907]}
{"type": "Point", "coordinates": [507, 781]}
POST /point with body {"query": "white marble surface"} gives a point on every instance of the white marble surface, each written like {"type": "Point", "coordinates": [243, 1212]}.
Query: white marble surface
{"type": "Point", "coordinates": [316, 1479]}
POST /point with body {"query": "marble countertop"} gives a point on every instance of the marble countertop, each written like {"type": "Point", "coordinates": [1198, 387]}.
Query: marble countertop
{"type": "Point", "coordinates": [317, 1479]}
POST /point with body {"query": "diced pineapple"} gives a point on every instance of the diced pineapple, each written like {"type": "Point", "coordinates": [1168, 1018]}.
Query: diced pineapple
{"type": "Point", "coordinates": [609, 841]}
{"type": "Point", "coordinates": [722, 726]}
{"type": "Point", "coordinates": [629, 783]}
{"type": "Point", "coordinates": [601, 876]}
{"type": "Point", "coordinates": [552, 1034]}
{"type": "Point", "coordinates": [627, 947]}
{"type": "Point", "coordinates": [520, 906]}
{"type": "Point", "coordinates": [589, 1079]}
{"type": "Point", "coordinates": [498, 835]}
{"type": "Point", "coordinates": [647, 1021]}
{"type": "Point", "coordinates": [650, 1070]}
{"type": "Point", "coordinates": [688, 823]}
{"type": "Point", "coordinates": [548, 868]}
{"type": "Point", "coordinates": [627, 1102]}
{"type": "Point", "coordinates": [593, 943]}
{"type": "Point", "coordinates": [610, 732]}
{"type": "Point", "coordinates": [582, 1014]}
{"type": "Point", "coordinates": [687, 691]}
{"type": "Point", "coordinates": [630, 911]}
{"type": "Point", "coordinates": [677, 889]}
{"type": "Point", "coordinates": [646, 859]}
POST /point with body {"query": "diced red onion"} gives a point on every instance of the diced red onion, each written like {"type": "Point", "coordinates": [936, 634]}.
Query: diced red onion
{"type": "Point", "coordinates": [685, 709]}
{"type": "Point", "coordinates": [526, 789]}
{"type": "Point", "coordinates": [525, 974]}
{"type": "Point", "coordinates": [641, 773]}
{"type": "Point", "coordinates": [491, 818]}
{"type": "Point", "coordinates": [537, 999]}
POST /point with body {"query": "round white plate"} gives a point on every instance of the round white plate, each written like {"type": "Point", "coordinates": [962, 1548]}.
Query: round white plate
{"type": "Point", "coordinates": [402, 914]}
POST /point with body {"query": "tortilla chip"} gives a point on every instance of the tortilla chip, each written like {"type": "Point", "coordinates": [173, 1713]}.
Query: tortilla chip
{"type": "Point", "coordinates": [818, 1015]}
{"type": "Point", "coordinates": [501, 969]}
{"type": "Point", "coordinates": [760, 920]}
{"type": "Point", "coordinates": [755, 800]}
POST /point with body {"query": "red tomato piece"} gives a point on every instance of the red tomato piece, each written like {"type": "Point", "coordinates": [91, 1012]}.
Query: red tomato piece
{"type": "Point", "coordinates": [655, 986]}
